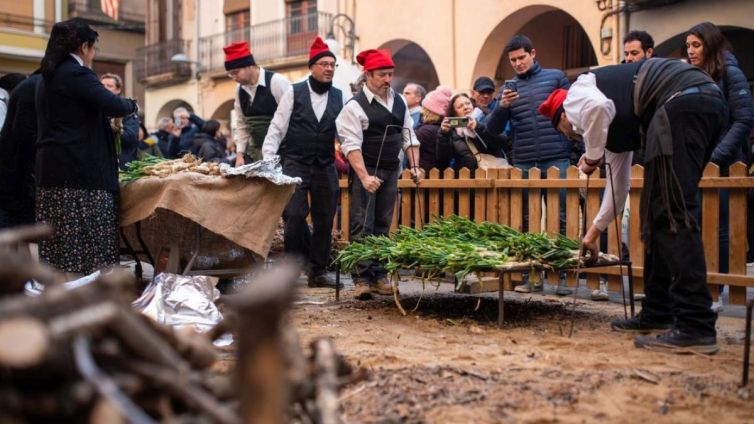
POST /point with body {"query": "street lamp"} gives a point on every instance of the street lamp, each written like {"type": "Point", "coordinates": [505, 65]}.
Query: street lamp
{"type": "Point", "coordinates": [182, 58]}
{"type": "Point", "coordinates": [346, 26]}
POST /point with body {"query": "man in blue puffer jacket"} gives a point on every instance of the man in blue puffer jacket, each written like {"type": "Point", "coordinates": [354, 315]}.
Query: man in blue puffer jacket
{"type": "Point", "coordinates": [535, 142]}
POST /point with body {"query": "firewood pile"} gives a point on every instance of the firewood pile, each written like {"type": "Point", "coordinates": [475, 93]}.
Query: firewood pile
{"type": "Point", "coordinates": [84, 355]}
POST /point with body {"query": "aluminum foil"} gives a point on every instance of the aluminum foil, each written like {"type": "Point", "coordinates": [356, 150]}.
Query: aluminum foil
{"type": "Point", "coordinates": [182, 301]}
{"type": "Point", "coordinates": [269, 169]}
{"type": "Point", "coordinates": [33, 288]}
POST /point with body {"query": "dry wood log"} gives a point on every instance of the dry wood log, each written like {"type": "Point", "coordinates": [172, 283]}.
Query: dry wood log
{"type": "Point", "coordinates": [188, 393]}
{"type": "Point", "coordinates": [24, 342]}
{"type": "Point", "coordinates": [264, 392]}
{"type": "Point", "coordinates": [326, 381]}
{"type": "Point", "coordinates": [104, 412]}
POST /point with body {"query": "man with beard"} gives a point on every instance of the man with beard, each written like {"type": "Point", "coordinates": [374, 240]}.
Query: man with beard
{"type": "Point", "coordinates": [681, 114]}
{"type": "Point", "coordinates": [258, 95]}
{"type": "Point", "coordinates": [303, 133]}
{"type": "Point", "coordinates": [373, 127]}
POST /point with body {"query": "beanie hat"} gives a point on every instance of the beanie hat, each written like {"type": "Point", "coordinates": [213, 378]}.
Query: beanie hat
{"type": "Point", "coordinates": [375, 59]}
{"type": "Point", "coordinates": [238, 55]}
{"type": "Point", "coordinates": [438, 100]}
{"type": "Point", "coordinates": [553, 106]}
{"type": "Point", "coordinates": [318, 50]}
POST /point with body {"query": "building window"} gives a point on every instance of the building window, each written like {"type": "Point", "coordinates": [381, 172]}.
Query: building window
{"type": "Point", "coordinates": [237, 26]}
{"type": "Point", "coordinates": [302, 25]}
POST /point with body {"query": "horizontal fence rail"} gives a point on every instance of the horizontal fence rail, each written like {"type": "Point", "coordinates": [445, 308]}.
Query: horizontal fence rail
{"type": "Point", "coordinates": [504, 195]}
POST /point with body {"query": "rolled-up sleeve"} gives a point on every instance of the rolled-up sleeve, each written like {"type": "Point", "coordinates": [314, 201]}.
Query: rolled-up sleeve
{"type": "Point", "coordinates": [351, 123]}
{"type": "Point", "coordinates": [241, 134]}
{"type": "Point", "coordinates": [618, 183]}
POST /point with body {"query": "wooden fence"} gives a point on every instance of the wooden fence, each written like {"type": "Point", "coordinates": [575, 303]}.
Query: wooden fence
{"type": "Point", "coordinates": [498, 196]}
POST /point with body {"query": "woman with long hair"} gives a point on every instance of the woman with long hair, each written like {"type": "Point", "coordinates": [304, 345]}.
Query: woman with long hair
{"type": "Point", "coordinates": [77, 163]}
{"type": "Point", "coordinates": [708, 49]}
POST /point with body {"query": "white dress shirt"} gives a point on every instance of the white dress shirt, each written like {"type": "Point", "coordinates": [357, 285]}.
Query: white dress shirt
{"type": "Point", "coordinates": [279, 125]}
{"type": "Point", "coordinates": [353, 121]}
{"type": "Point", "coordinates": [591, 112]}
{"type": "Point", "coordinates": [4, 96]}
{"type": "Point", "coordinates": [278, 86]}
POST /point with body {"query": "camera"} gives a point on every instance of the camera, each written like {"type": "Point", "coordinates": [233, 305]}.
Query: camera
{"type": "Point", "coordinates": [458, 121]}
{"type": "Point", "coordinates": [510, 85]}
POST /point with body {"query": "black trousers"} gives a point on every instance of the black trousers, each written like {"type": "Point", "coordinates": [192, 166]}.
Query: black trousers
{"type": "Point", "coordinates": [320, 182]}
{"type": "Point", "coordinates": [372, 214]}
{"type": "Point", "coordinates": [675, 271]}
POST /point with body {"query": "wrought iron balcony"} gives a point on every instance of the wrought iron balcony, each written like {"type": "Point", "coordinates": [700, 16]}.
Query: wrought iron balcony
{"type": "Point", "coordinates": [153, 65]}
{"type": "Point", "coordinates": [270, 41]}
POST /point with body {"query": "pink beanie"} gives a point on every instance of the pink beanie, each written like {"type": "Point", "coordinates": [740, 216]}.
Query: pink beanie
{"type": "Point", "coordinates": [437, 100]}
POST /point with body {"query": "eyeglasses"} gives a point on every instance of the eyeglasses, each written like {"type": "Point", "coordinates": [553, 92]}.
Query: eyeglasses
{"type": "Point", "coordinates": [327, 65]}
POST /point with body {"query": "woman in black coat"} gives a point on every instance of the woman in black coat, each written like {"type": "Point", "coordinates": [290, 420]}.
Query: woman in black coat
{"type": "Point", "coordinates": [433, 153]}
{"type": "Point", "coordinates": [76, 164]}
{"type": "Point", "coordinates": [466, 140]}
{"type": "Point", "coordinates": [708, 49]}
{"type": "Point", "coordinates": [207, 143]}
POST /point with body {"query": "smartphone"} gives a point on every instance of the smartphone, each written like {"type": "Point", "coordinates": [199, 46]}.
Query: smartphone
{"type": "Point", "coordinates": [510, 85]}
{"type": "Point", "coordinates": [177, 122]}
{"type": "Point", "coordinates": [458, 121]}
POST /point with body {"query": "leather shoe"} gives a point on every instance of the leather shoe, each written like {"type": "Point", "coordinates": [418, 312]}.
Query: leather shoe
{"type": "Point", "coordinates": [322, 280]}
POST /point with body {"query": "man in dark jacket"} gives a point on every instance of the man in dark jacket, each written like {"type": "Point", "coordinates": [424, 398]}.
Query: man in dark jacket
{"type": "Point", "coordinates": [164, 135]}
{"type": "Point", "coordinates": [127, 127]}
{"type": "Point", "coordinates": [17, 156]}
{"type": "Point", "coordinates": [535, 143]}
{"type": "Point", "coordinates": [302, 132]}
{"type": "Point", "coordinates": [186, 126]}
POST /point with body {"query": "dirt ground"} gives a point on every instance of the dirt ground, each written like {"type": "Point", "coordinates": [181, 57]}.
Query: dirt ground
{"type": "Point", "coordinates": [449, 363]}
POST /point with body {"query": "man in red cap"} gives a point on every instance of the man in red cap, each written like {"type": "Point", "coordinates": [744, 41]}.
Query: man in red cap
{"type": "Point", "coordinates": [373, 127]}
{"type": "Point", "coordinates": [681, 114]}
{"type": "Point", "coordinates": [258, 94]}
{"type": "Point", "coordinates": [302, 132]}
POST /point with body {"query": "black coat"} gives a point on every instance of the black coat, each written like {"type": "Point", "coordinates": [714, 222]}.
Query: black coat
{"type": "Point", "coordinates": [17, 151]}
{"type": "Point", "coordinates": [129, 140]}
{"type": "Point", "coordinates": [432, 152]}
{"type": "Point", "coordinates": [75, 143]}
{"type": "Point", "coordinates": [164, 140]}
{"type": "Point", "coordinates": [462, 155]}
{"type": "Point", "coordinates": [213, 151]}
{"type": "Point", "coordinates": [733, 146]}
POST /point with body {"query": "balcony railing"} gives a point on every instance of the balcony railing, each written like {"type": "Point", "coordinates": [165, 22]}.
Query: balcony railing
{"type": "Point", "coordinates": [270, 41]}
{"type": "Point", "coordinates": [154, 60]}
{"type": "Point", "coordinates": [91, 10]}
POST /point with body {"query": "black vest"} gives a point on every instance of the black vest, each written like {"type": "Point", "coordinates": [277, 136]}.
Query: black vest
{"type": "Point", "coordinates": [617, 83]}
{"type": "Point", "coordinates": [379, 119]}
{"type": "Point", "coordinates": [308, 140]}
{"type": "Point", "coordinates": [264, 103]}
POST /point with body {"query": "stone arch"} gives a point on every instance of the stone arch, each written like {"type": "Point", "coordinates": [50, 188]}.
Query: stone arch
{"type": "Point", "coordinates": [412, 64]}
{"type": "Point", "coordinates": [572, 50]}
{"type": "Point", "coordinates": [223, 114]}
{"type": "Point", "coordinates": [167, 109]}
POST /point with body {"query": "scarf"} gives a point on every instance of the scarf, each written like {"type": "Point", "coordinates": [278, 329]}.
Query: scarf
{"type": "Point", "coordinates": [319, 87]}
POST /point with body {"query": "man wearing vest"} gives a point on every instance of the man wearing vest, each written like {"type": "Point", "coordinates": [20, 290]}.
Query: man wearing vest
{"type": "Point", "coordinates": [681, 114]}
{"type": "Point", "coordinates": [258, 94]}
{"type": "Point", "coordinates": [373, 127]}
{"type": "Point", "coordinates": [303, 134]}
